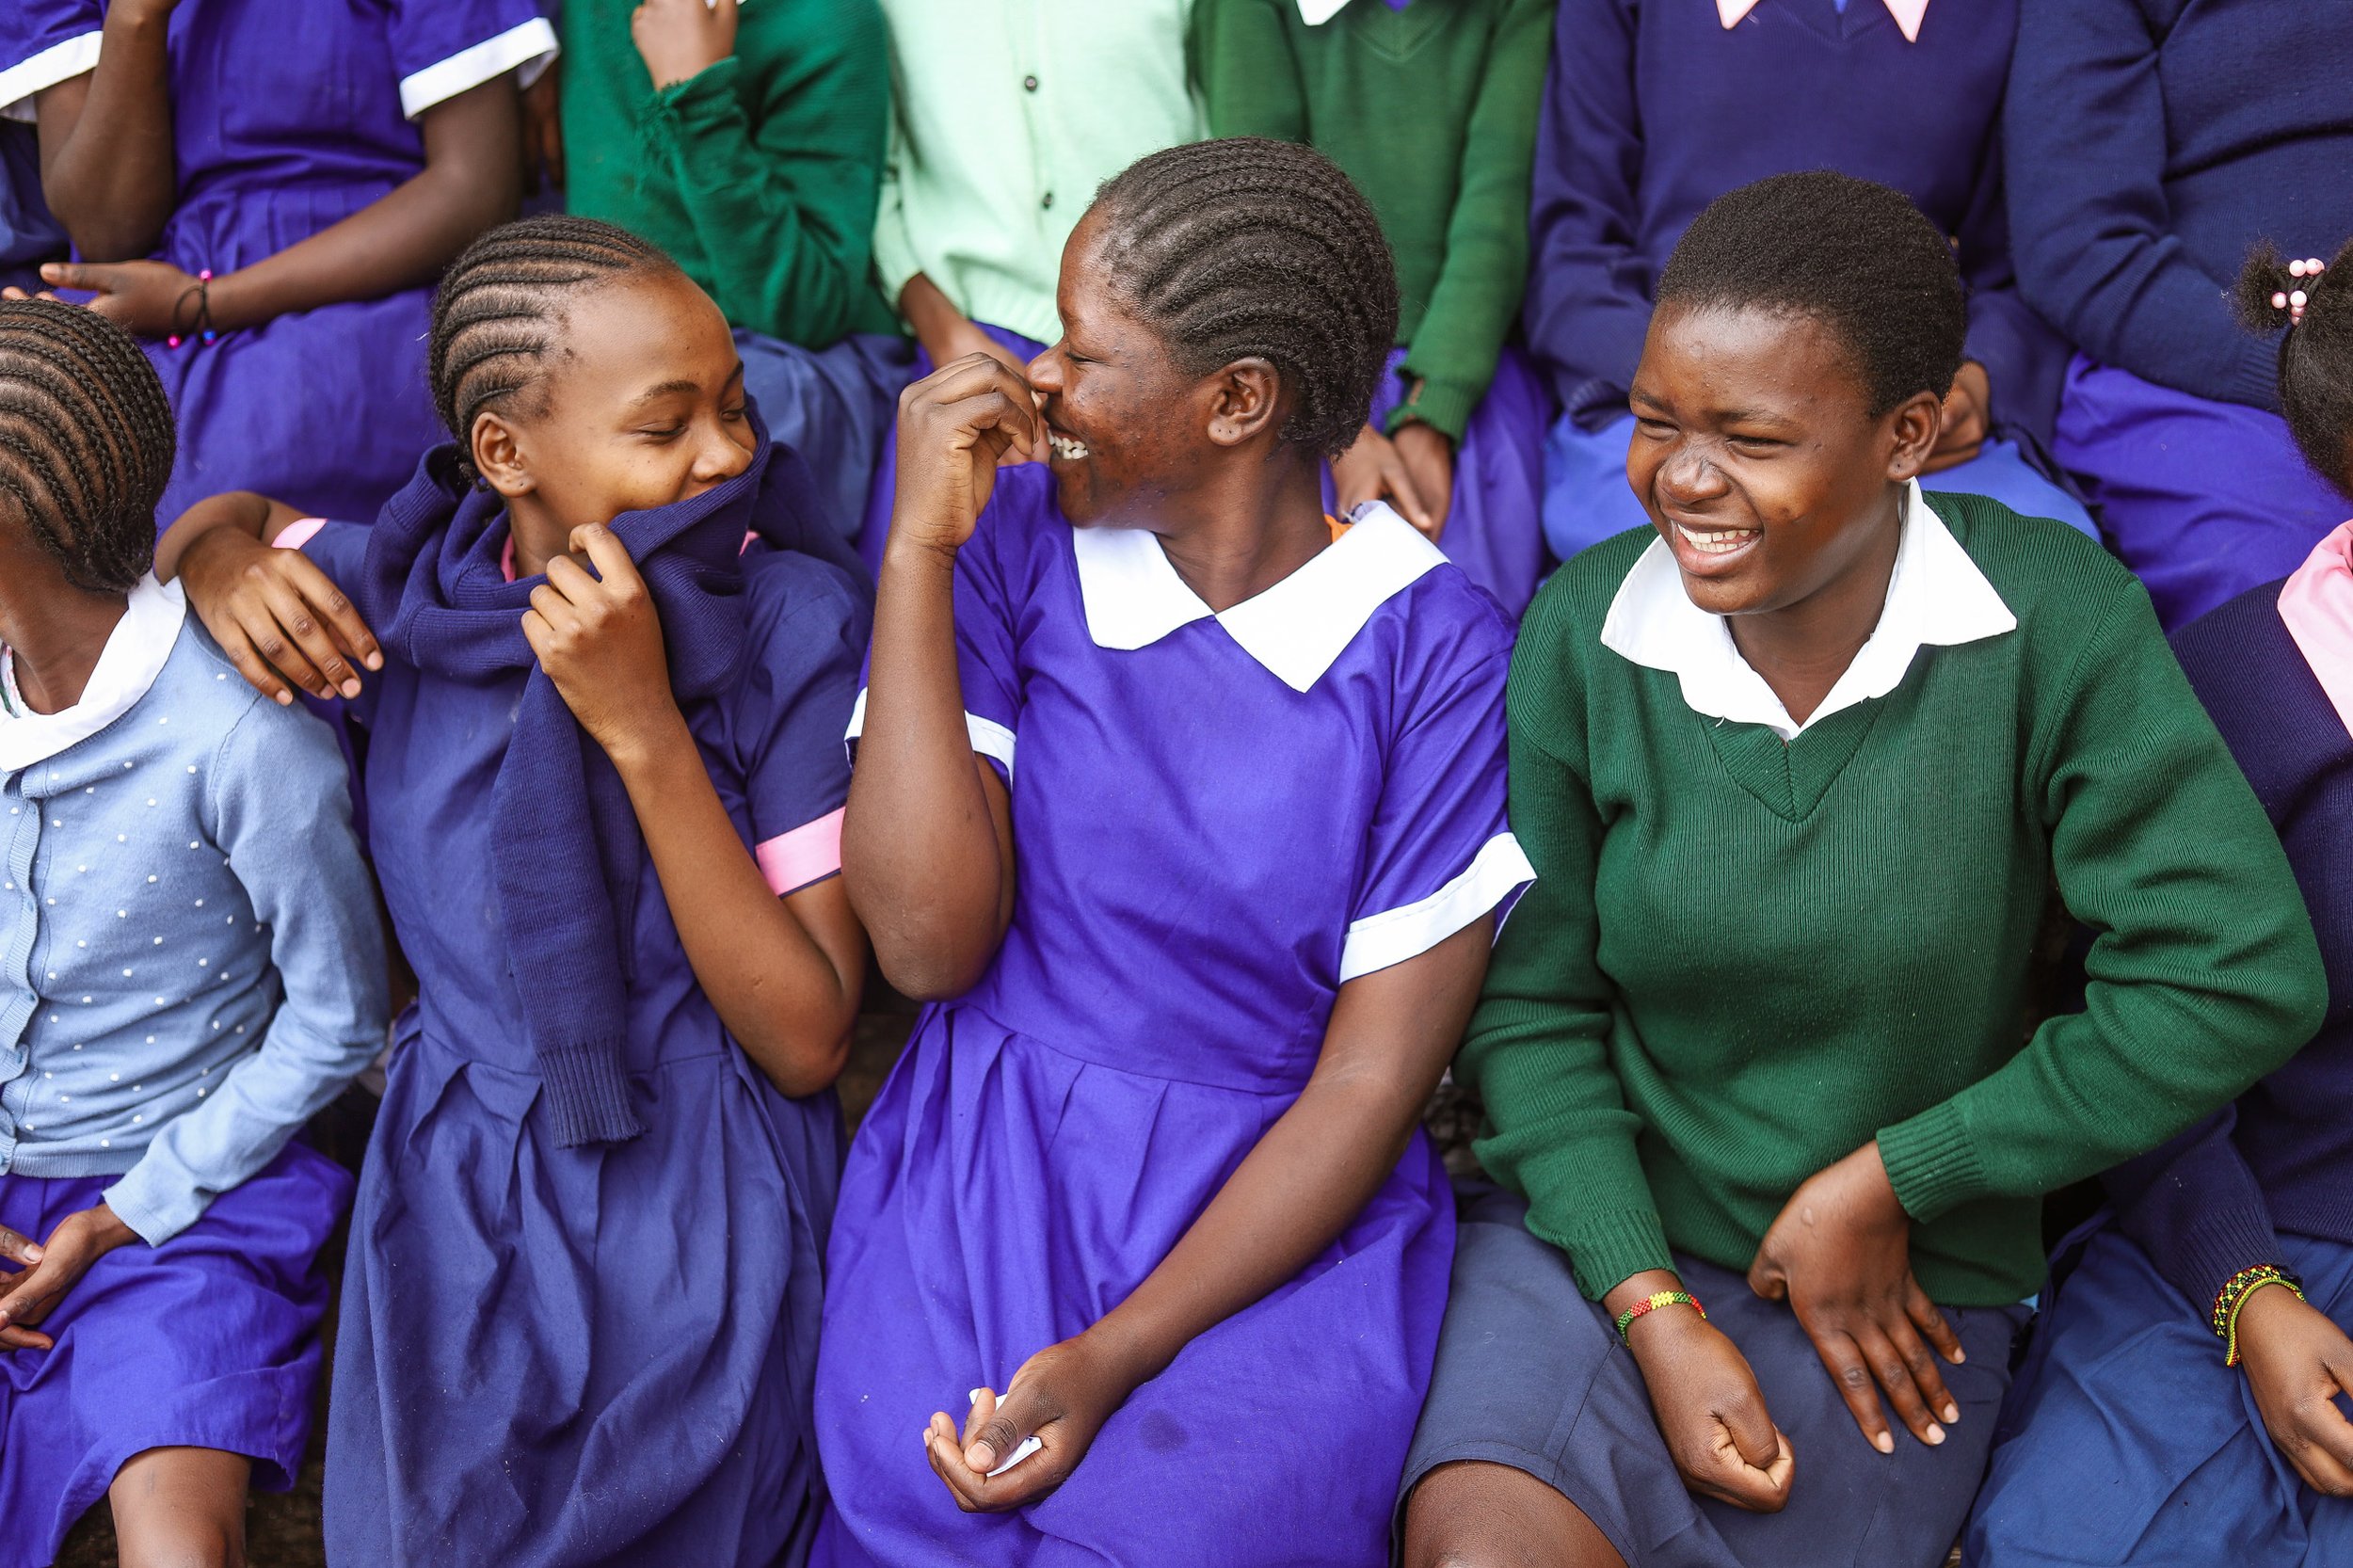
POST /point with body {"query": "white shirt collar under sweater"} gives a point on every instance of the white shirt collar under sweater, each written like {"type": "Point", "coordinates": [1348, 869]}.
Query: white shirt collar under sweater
{"type": "Point", "coordinates": [1935, 597]}
{"type": "Point", "coordinates": [136, 652]}
{"type": "Point", "coordinates": [1296, 628]}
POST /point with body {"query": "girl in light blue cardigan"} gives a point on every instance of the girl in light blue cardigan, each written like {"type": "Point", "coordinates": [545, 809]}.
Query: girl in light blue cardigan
{"type": "Point", "coordinates": [190, 967]}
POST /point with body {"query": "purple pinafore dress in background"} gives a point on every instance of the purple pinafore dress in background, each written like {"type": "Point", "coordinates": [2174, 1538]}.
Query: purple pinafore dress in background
{"type": "Point", "coordinates": [1220, 820]}
{"type": "Point", "coordinates": [289, 116]}
{"type": "Point", "coordinates": [554, 1357]}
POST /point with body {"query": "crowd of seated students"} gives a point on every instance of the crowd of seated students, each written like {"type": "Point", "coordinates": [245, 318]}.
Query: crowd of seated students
{"type": "Point", "coordinates": [1788, 501]}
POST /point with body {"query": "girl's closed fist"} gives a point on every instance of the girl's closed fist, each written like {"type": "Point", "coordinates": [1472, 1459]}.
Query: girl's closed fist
{"type": "Point", "coordinates": [957, 426]}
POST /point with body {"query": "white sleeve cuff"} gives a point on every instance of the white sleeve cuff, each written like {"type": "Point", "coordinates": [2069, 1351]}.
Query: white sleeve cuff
{"type": "Point", "coordinates": [524, 50]}
{"type": "Point", "coordinates": [60, 62]}
{"type": "Point", "coordinates": [1393, 935]}
{"type": "Point", "coordinates": [989, 738]}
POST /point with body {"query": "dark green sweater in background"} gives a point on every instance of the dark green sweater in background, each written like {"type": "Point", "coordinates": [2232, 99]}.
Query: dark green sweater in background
{"type": "Point", "coordinates": [1742, 960]}
{"type": "Point", "coordinates": [1432, 110]}
{"type": "Point", "coordinates": [760, 175]}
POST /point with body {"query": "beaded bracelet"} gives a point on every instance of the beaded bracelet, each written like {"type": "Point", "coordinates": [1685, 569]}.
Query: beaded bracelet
{"type": "Point", "coordinates": [2234, 1295]}
{"type": "Point", "coordinates": [1652, 1304]}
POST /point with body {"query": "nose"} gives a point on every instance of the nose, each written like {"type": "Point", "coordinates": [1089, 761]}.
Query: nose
{"type": "Point", "coordinates": [723, 455]}
{"type": "Point", "coordinates": [1686, 478]}
{"type": "Point", "coordinates": [1045, 372]}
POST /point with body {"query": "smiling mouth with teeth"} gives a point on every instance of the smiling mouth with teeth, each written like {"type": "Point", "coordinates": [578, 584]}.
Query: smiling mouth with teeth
{"type": "Point", "coordinates": [1066, 448]}
{"type": "Point", "coordinates": [1717, 541]}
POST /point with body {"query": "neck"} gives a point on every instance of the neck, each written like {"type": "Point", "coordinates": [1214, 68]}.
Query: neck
{"type": "Point", "coordinates": [538, 537]}
{"type": "Point", "coordinates": [1802, 648]}
{"type": "Point", "coordinates": [54, 630]}
{"type": "Point", "coordinates": [1247, 529]}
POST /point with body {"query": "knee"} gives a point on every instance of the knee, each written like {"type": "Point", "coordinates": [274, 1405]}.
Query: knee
{"type": "Point", "coordinates": [192, 1544]}
{"type": "Point", "coordinates": [1479, 1515]}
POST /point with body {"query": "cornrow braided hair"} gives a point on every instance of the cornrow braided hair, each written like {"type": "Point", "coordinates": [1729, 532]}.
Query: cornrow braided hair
{"type": "Point", "coordinates": [86, 439]}
{"type": "Point", "coordinates": [495, 316]}
{"type": "Point", "coordinates": [1250, 247]}
{"type": "Point", "coordinates": [2315, 354]}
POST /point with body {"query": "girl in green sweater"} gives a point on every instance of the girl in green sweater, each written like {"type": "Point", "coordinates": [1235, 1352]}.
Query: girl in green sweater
{"type": "Point", "coordinates": [746, 141]}
{"type": "Point", "coordinates": [1798, 766]}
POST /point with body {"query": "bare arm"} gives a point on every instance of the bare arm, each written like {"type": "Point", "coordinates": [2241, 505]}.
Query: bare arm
{"type": "Point", "coordinates": [927, 846]}
{"type": "Point", "coordinates": [472, 181]}
{"type": "Point", "coordinates": [105, 138]}
{"type": "Point", "coordinates": [280, 621]}
{"type": "Point", "coordinates": [783, 974]}
{"type": "Point", "coordinates": [1390, 1038]}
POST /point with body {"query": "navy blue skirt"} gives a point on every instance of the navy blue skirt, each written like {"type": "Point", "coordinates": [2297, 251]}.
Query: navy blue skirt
{"type": "Point", "coordinates": [1532, 1375]}
{"type": "Point", "coordinates": [2127, 1441]}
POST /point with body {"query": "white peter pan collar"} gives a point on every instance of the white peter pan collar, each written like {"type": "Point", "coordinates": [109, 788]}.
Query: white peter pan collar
{"type": "Point", "coordinates": [1935, 597]}
{"type": "Point", "coordinates": [1315, 13]}
{"type": "Point", "coordinates": [136, 652]}
{"type": "Point", "coordinates": [1296, 628]}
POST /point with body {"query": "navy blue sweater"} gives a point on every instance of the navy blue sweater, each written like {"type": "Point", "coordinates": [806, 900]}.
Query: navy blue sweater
{"type": "Point", "coordinates": [1654, 108]}
{"type": "Point", "coordinates": [2207, 1203]}
{"type": "Point", "coordinates": [2153, 141]}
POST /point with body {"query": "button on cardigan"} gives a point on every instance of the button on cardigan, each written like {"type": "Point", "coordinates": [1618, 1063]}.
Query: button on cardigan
{"type": "Point", "coordinates": [191, 962]}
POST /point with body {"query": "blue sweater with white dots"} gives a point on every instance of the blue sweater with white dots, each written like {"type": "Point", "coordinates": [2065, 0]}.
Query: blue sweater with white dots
{"type": "Point", "coordinates": [190, 958]}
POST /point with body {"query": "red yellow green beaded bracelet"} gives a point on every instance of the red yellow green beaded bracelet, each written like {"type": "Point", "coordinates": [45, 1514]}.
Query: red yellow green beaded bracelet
{"type": "Point", "coordinates": [2234, 1295]}
{"type": "Point", "coordinates": [1652, 1304]}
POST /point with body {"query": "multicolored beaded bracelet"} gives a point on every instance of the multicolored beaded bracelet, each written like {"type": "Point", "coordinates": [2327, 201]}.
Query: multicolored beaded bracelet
{"type": "Point", "coordinates": [1652, 1304]}
{"type": "Point", "coordinates": [2234, 1295]}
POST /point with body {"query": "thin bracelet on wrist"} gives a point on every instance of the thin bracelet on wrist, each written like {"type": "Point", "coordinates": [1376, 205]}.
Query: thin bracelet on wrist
{"type": "Point", "coordinates": [1652, 1303]}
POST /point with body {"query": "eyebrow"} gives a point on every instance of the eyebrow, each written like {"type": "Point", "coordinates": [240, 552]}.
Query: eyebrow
{"type": "Point", "coordinates": [665, 390]}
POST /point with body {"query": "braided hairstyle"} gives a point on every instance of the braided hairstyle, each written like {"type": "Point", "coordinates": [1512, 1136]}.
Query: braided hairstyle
{"type": "Point", "coordinates": [85, 441]}
{"type": "Point", "coordinates": [2315, 354]}
{"type": "Point", "coordinates": [1228, 249]}
{"type": "Point", "coordinates": [1855, 256]}
{"type": "Point", "coordinates": [498, 311]}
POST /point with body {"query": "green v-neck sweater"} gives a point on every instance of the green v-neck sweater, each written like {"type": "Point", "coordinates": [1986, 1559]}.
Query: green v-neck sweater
{"type": "Point", "coordinates": [1742, 960]}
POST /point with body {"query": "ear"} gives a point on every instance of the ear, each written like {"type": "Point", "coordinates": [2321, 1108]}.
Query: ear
{"type": "Point", "coordinates": [498, 454]}
{"type": "Point", "coordinates": [1245, 401]}
{"type": "Point", "coordinates": [1913, 427]}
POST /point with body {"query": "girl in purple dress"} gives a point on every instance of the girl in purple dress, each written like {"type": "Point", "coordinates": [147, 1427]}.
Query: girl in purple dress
{"type": "Point", "coordinates": [1186, 815]}
{"type": "Point", "coordinates": [190, 967]}
{"type": "Point", "coordinates": [264, 190]}
{"type": "Point", "coordinates": [579, 1319]}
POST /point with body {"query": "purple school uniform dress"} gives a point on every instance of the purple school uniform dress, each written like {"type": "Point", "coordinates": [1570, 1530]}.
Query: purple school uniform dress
{"type": "Point", "coordinates": [616, 1361]}
{"type": "Point", "coordinates": [1220, 819]}
{"type": "Point", "coordinates": [289, 116]}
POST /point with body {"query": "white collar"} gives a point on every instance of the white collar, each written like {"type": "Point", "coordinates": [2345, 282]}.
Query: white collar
{"type": "Point", "coordinates": [1906, 12]}
{"type": "Point", "coordinates": [1315, 13]}
{"type": "Point", "coordinates": [1935, 596]}
{"type": "Point", "coordinates": [136, 652]}
{"type": "Point", "coordinates": [1296, 628]}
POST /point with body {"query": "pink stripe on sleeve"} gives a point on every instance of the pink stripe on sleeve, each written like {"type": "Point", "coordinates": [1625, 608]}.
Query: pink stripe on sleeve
{"type": "Point", "coordinates": [791, 861]}
{"type": "Point", "coordinates": [296, 534]}
{"type": "Point", "coordinates": [2317, 604]}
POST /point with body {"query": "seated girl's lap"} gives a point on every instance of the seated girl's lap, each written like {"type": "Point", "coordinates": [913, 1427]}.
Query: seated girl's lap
{"type": "Point", "coordinates": [2127, 1441]}
{"type": "Point", "coordinates": [1531, 1376]}
{"type": "Point", "coordinates": [1274, 1436]}
{"type": "Point", "coordinates": [2203, 499]}
{"type": "Point", "coordinates": [207, 1340]}
{"type": "Point", "coordinates": [327, 409]}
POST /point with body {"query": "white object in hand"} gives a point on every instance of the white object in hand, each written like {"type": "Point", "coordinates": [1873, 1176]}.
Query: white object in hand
{"type": "Point", "coordinates": [1022, 1450]}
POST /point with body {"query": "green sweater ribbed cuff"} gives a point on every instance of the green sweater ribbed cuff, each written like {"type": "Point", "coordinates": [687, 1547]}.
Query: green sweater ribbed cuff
{"type": "Point", "coordinates": [1610, 1248]}
{"type": "Point", "coordinates": [1932, 1162]}
{"type": "Point", "coordinates": [1443, 406]}
{"type": "Point", "coordinates": [694, 99]}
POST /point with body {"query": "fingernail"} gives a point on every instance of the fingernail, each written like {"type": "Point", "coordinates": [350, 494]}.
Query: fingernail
{"type": "Point", "coordinates": [972, 1398]}
{"type": "Point", "coordinates": [33, 1253]}
{"type": "Point", "coordinates": [285, 699]}
{"type": "Point", "coordinates": [1951, 1412]}
{"type": "Point", "coordinates": [375, 661]}
{"type": "Point", "coordinates": [1883, 1443]}
{"type": "Point", "coordinates": [350, 688]}
{"type": "Point", "coordinates": [979, 1458]}
{"type": "Point", "coordinates": [1934, 1435]}
{"type": "Point", "coordinates": [1959, 1355]}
